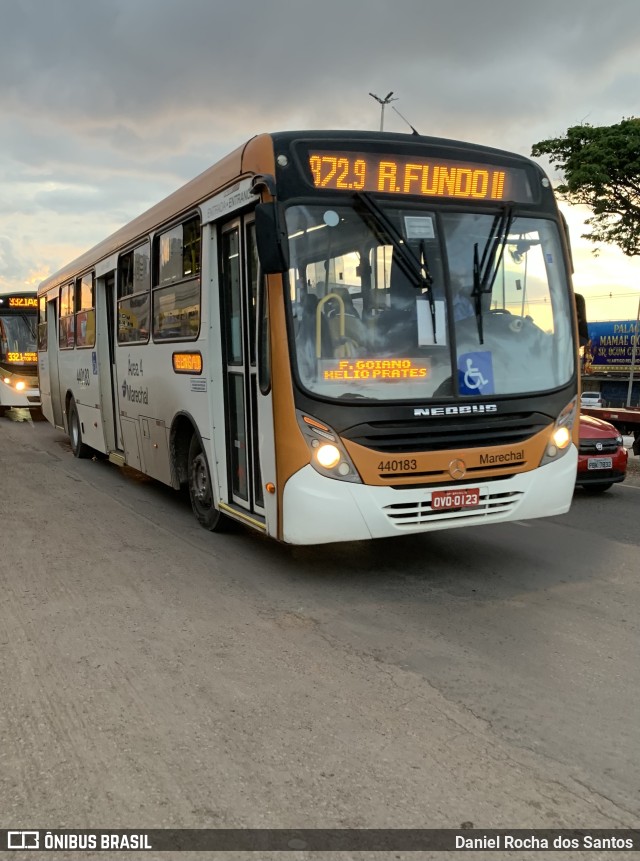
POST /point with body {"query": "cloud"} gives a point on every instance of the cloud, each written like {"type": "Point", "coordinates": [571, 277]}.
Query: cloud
{"type": "Point", "coordinates": [155, 61]}
{"type": "Point", "coordinates": [107, 106]}
{"type": "Point", "coordinates": [10, 266]}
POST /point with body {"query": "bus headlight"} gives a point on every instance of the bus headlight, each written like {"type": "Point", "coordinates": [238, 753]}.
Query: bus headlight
{"type": "Point", "coordinates": [561, 435]}
{"type": "Point", "coordinates": [328, 455]}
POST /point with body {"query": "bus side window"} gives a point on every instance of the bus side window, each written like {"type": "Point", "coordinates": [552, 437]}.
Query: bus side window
{"type": "Point", "coordinates": [134, 301]}
{"type": "Point", "coordinates": [66, 330]}
{"type": "Point", "coordinates": [176, 282]}
{"type": "Point", "coordinates": [85, 313]}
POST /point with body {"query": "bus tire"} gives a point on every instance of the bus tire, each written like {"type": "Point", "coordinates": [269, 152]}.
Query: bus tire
{"type": "Point", "coordinates": [78, 448]}
{"type": "Point", "coordinates": [201, 489]}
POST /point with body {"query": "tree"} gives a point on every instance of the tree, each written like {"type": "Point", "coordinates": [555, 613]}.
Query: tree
{"type": "Point", "coordinates": [600, 166]}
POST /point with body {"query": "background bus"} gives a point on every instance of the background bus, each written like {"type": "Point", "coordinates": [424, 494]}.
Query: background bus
{"type": "Point", "coordinates": [18, 356]}
{"type": "Point", "coordinates": [331, 336]}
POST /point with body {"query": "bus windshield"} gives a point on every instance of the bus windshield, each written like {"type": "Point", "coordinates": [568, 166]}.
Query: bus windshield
{"type": "Point", "coordinates": [18, 338]}
{"type": "Point", "coordinates": [384, 303]}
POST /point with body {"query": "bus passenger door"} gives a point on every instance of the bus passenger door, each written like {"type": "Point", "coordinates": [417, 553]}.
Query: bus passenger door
{"type": "Point", "coordinates": [238, 308]}
{"type": "Point", "coordinates": [52, 352]}
{"type": "Point", "coordinates": [106, 334]}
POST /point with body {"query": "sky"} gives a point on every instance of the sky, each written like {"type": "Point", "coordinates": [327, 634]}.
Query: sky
{"type": "Point", "coordinates": [107, 106]}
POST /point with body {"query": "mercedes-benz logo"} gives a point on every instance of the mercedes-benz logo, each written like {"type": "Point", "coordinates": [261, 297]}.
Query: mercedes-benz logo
{"type": "Point", "coordinates": [457, 468]}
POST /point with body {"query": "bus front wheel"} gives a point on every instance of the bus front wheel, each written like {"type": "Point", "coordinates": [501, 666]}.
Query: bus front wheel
{"type": "Point", "coordinates": [78, 448]}
{"type": "Point", "coordinates": [201, 490]}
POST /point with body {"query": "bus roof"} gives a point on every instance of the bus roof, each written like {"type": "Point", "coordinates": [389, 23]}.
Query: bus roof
{"type": "Point", "coordinates": [254, 156]}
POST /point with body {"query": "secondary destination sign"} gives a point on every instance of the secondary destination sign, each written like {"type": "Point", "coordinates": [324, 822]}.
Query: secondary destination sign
{"type": "Point", "coordinates": [426, 177]}
{"type": "Point", "coordinates": [375, 369]}
{"type": "Point", "coordinates": [19, 358]}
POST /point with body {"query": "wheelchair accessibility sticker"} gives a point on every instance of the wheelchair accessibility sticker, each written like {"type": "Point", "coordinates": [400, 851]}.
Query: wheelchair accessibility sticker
{"type": "Point", "coordinates": [475, 374]}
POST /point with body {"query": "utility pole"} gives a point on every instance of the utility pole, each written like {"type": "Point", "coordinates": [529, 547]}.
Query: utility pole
{"type": "Point", "coordinates": [383, 103]}
{"type": "Point", "coordinates": [633, 355]}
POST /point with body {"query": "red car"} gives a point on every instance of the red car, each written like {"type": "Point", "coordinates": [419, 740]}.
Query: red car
{"type": "Point", "coordinates": [602, 459]}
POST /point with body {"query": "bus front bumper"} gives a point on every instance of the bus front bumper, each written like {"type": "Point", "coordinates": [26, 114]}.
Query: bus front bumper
{"type": "Point", "coordinates": [319, 510]}
{"type": "Point", "coordinates": [28, 398]}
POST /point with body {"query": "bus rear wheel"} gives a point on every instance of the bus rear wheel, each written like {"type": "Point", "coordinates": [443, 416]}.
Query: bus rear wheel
{"type": "Point", "coordinates": [78, 448]}
{"type": "Point", "coordinates": [201, 490]}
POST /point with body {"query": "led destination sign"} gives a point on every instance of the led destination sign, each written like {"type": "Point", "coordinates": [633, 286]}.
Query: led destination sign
{"type": "Point", "coordinates": [427, 177]}
{"type": "Point", "coordinates": [375, 369]}
{"type": "Point", "coordinates": [22, 358]}
{"type": "Point", "coordinates": [187, 363]}
{"type": "Point", "coordinates": [22, 302]}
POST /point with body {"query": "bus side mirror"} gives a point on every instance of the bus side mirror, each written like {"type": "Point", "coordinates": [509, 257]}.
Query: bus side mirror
{"type": "Point", "coordinates": [271, 239]}
{"type": "Point", "coordinates": [581, 312]}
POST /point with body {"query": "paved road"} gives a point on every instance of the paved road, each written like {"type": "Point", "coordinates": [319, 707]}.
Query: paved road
{"type": "Point", "coordinates": [157, 675]}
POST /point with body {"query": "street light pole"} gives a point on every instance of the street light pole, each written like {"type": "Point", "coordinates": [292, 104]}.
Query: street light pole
{"type": "Point", "coordinates": [383, 103]}
{"type": "Point", "coordinates": [633, 355]}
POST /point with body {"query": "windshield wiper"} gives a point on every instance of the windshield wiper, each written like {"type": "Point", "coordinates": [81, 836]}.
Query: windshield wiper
{"type": "Point", "coordinates": [415, 268]}
{"type": "Point", "coordinates": [486, 268]}
{"type": "Point", "coordinates": [30, 322]}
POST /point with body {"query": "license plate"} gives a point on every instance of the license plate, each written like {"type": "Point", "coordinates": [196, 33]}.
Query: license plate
{"type": "Point", "coordinates": [599, 463]}
{"type": "Point", "coordinates": [446, 499]}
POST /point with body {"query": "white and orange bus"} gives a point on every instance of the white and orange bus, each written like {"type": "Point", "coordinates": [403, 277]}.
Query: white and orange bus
{"type": "Point", "coordinates": [330, 336]}
{"type": "Point", "coordinates": [18, 357]}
